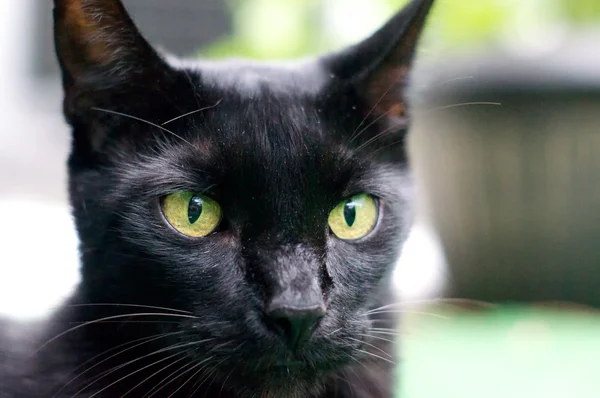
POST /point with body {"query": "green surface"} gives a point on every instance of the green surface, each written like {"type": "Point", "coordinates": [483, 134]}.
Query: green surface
{"type": "Point", "coordinates": [512, 352]}
{"type": "Point", "coordinates": [294, 28]}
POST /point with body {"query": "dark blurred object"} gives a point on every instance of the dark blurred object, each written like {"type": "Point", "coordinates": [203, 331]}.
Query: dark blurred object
{"type": "Point", "coordinates": [514, 189]}
{"type": "Point", "coordinates": [181, 27]}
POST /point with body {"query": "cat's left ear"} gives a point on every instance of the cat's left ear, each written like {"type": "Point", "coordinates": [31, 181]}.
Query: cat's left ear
{"type": "Point", "coordinates": [101, 52]}
{"type": "Point", "coordinates": [378, 68]}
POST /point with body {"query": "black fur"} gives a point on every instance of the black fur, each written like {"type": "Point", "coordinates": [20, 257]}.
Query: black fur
{"type": "Point", "coordinates": [278, 146]}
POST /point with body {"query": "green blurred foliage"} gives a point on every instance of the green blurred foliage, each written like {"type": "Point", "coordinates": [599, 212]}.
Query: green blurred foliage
{"type": "Point", "coordinates": [293, 28]}
{"type": "Point", "coordinates": [582, 11]}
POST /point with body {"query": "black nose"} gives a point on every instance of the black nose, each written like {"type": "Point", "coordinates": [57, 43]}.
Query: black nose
{"type": "Point", "coordinates": [295, 325]}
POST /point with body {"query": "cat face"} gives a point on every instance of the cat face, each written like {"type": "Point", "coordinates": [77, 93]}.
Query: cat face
{"type": "Point", "coordinates": [265, 200]}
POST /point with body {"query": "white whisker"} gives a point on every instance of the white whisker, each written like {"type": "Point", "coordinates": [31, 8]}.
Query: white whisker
{"type": "Point", "coordinates": [143, 121]}
{"type": "Point", "coordinates": [133, 373]}
{"type": "Point", "coordinates": [377, 338]}
{"type": "Point", "coordinates": [190, 113]}
{"type": "Point", "coordinates": [199, 364]}
{"type": "Point", "coordinates": [107, 319]}
{"type": "Point", "coordinates": [376, 356]}
{"type": "Point", "coordinates": [128, 305]}
{"type": "Point", "coordinates": [400, 311]}
{"type": "Point", "coordinates": [172, 347]}
{"type": "Point", "coordinates": [395, 334]}
{"type": "Point", "coordinates": [372, 109]}
{"type": "Point", "coordinates": [372, 346]}
{"type": "Point", "coordinates": [154, 374]}
{"type": "Point", "coordinates": [159, 386]}
{"type": "Point", "coordinates": [464, 104]}
{"type": "Point", "coordinates": [145, 341]}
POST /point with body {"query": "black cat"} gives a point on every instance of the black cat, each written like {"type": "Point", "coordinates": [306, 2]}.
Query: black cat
{"type": "Point", "coordinates": [239, 221]}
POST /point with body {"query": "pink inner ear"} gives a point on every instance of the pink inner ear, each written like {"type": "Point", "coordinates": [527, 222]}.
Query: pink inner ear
{"type": "Point", "coordinates": [381, 64]}
{"type": "Point", "coordinates": [384, 90]}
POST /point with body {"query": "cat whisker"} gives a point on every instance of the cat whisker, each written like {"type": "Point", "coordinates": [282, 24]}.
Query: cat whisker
{"type": "Point", "coordinates": [102, 375]}
{"type": "Point", "coordinates": [401, 304]}
{"type": "Point", "coordinates": [391, 330]}
{"type": "Point", "coordinates": [450, 300]}
{"type": "Point", "coordinates": [379, 135]}
{"type": "Point", "coordinates": [107, 319]}
{"type": "Point", "coordinates": [144, 340]}
{"type": "Point", "coordinates": [355, 136]}
{"type": "Point", "coordinates": [401, 311]}
{"type": "Point", "coordinates": [225, 381]}
{"type": "Point", "coordinates": [356, 375]}
{"type": "Point", "coordinates": [383, 307]}
{"type": "Point", "coordinates": [143, 121]}
{"type": "Point", "coordinates": [198, 384]}
{"type": "Point", "coordinates": [184, 373]}
{"type": "Point", "coordinates": [192, 86]}
{"type": "Point", "coordinates": [191, 113]}
{"type": "Point", "coordinates": [370, 354]}
{"type": "Point", "coordinates": [154, 374]}
{"type": "Point", "coordinates": [372, 109]}
{"type": "Point", "coordinates": [161, 322]}
{"type": "Point", "coordinates": [397, 308]}
{"type": "Point", "coordinates": [128, 305]}
{"type": "Point", "coordinates": [395, 334]}
{"type": "Point", "coordinates": [213, 374]}
{"type": "Point", "coordinates": [392, 128]}
{"type": "Point", "coordinates": [463, 104]}
{"type": "Point", "coordinates": [159, 386]}
{"type": "Point", "coordinates": [198, 365]}
{"type": "Point", "coordinates": [377, 338]}
{"type": "Point", "coordinates": [453, 80]}
{"type": "Point", "coordinates": [388, 320]}
{"type": "Point", "coordinates": [465, 301]}
{"type": "Point", "coordinates": [371, 345]}
{"type": "Point", "coordinates": [334, 332]}
{"type": "Point", "coordinates": [132, 373]}
{"type": "Point", "coordinates": [169, 348]}
{"type": "Point", "coordinates": [385, 147]}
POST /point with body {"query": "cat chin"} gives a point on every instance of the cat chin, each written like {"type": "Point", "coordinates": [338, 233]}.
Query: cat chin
{"type": "Point", "coordinates": [255, 375]}
{"type": "Point", "coordinates": [282, 387]}
{"type": "Point", "coordinates": [274, 381]}
{"type": "Point", "coordinates": [287, 392]}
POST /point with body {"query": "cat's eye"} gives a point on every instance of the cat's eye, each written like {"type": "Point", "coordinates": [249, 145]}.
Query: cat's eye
{"type": "Point", "coordinates": [354, 218]}
{"type": "Point", "coordinates": [192, 214]}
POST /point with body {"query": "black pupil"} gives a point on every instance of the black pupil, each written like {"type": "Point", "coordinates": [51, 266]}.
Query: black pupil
{"type": "Point", "coordinates": [350, 213]}
{"type": "Point", "coordinates": [194, 209]}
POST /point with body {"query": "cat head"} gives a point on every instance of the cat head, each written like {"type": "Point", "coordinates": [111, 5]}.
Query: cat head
{"type": "Point", "coordinates": [265, 199]}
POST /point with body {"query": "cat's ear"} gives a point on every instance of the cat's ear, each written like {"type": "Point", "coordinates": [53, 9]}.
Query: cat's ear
{"type": "Point", "coordinates": [377, 68]}
{"type": "Point", "coordinates": [100, 50]}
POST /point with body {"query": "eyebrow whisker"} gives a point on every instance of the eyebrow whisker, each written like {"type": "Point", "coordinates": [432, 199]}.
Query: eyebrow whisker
{"type": "Point", "coordinates": [143, 121]}
{"type": "Point", "coordinates": [191, 113]}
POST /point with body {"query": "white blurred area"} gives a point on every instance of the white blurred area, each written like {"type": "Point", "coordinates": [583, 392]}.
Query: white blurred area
{"type": "Point", "coordinates": [38, 245]}
{"type": "Point", "coordinates": [38, 257]}
{"type": "Point", "coordinates": [39, 268]}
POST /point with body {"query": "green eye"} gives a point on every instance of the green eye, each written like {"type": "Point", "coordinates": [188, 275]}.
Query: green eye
{"type": "Point", "coordinates": [355, 217]}
{"type": "Point", "coordinates": [192, 214]}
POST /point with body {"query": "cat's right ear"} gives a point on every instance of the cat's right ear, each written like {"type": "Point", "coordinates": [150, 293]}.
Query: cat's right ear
{"type": "Point", "coordinates": [377, 69]}
{"type": "Point", "coordinates": [101, 53]}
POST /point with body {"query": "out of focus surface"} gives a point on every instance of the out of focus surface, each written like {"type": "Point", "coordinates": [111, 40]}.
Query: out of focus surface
{"type": "Point", "coordinates": [506, 150]}
{"type": "Point", "coordinates": [500, 352]}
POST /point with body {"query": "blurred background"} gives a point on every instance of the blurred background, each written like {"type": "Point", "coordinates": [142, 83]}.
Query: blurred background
{"type": "Point", "coordinates": [505, 148]}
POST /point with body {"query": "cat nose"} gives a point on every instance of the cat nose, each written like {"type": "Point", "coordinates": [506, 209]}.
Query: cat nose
{"type": "Point", "coordinates": [294, 324]}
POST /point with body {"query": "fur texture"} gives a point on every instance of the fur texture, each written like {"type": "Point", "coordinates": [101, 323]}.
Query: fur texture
{"type": "Point", "coordinates": [278, 146]}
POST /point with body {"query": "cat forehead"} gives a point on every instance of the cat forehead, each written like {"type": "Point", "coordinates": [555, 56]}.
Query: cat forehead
{"type": "Point", "coordinates": [247, 78]}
